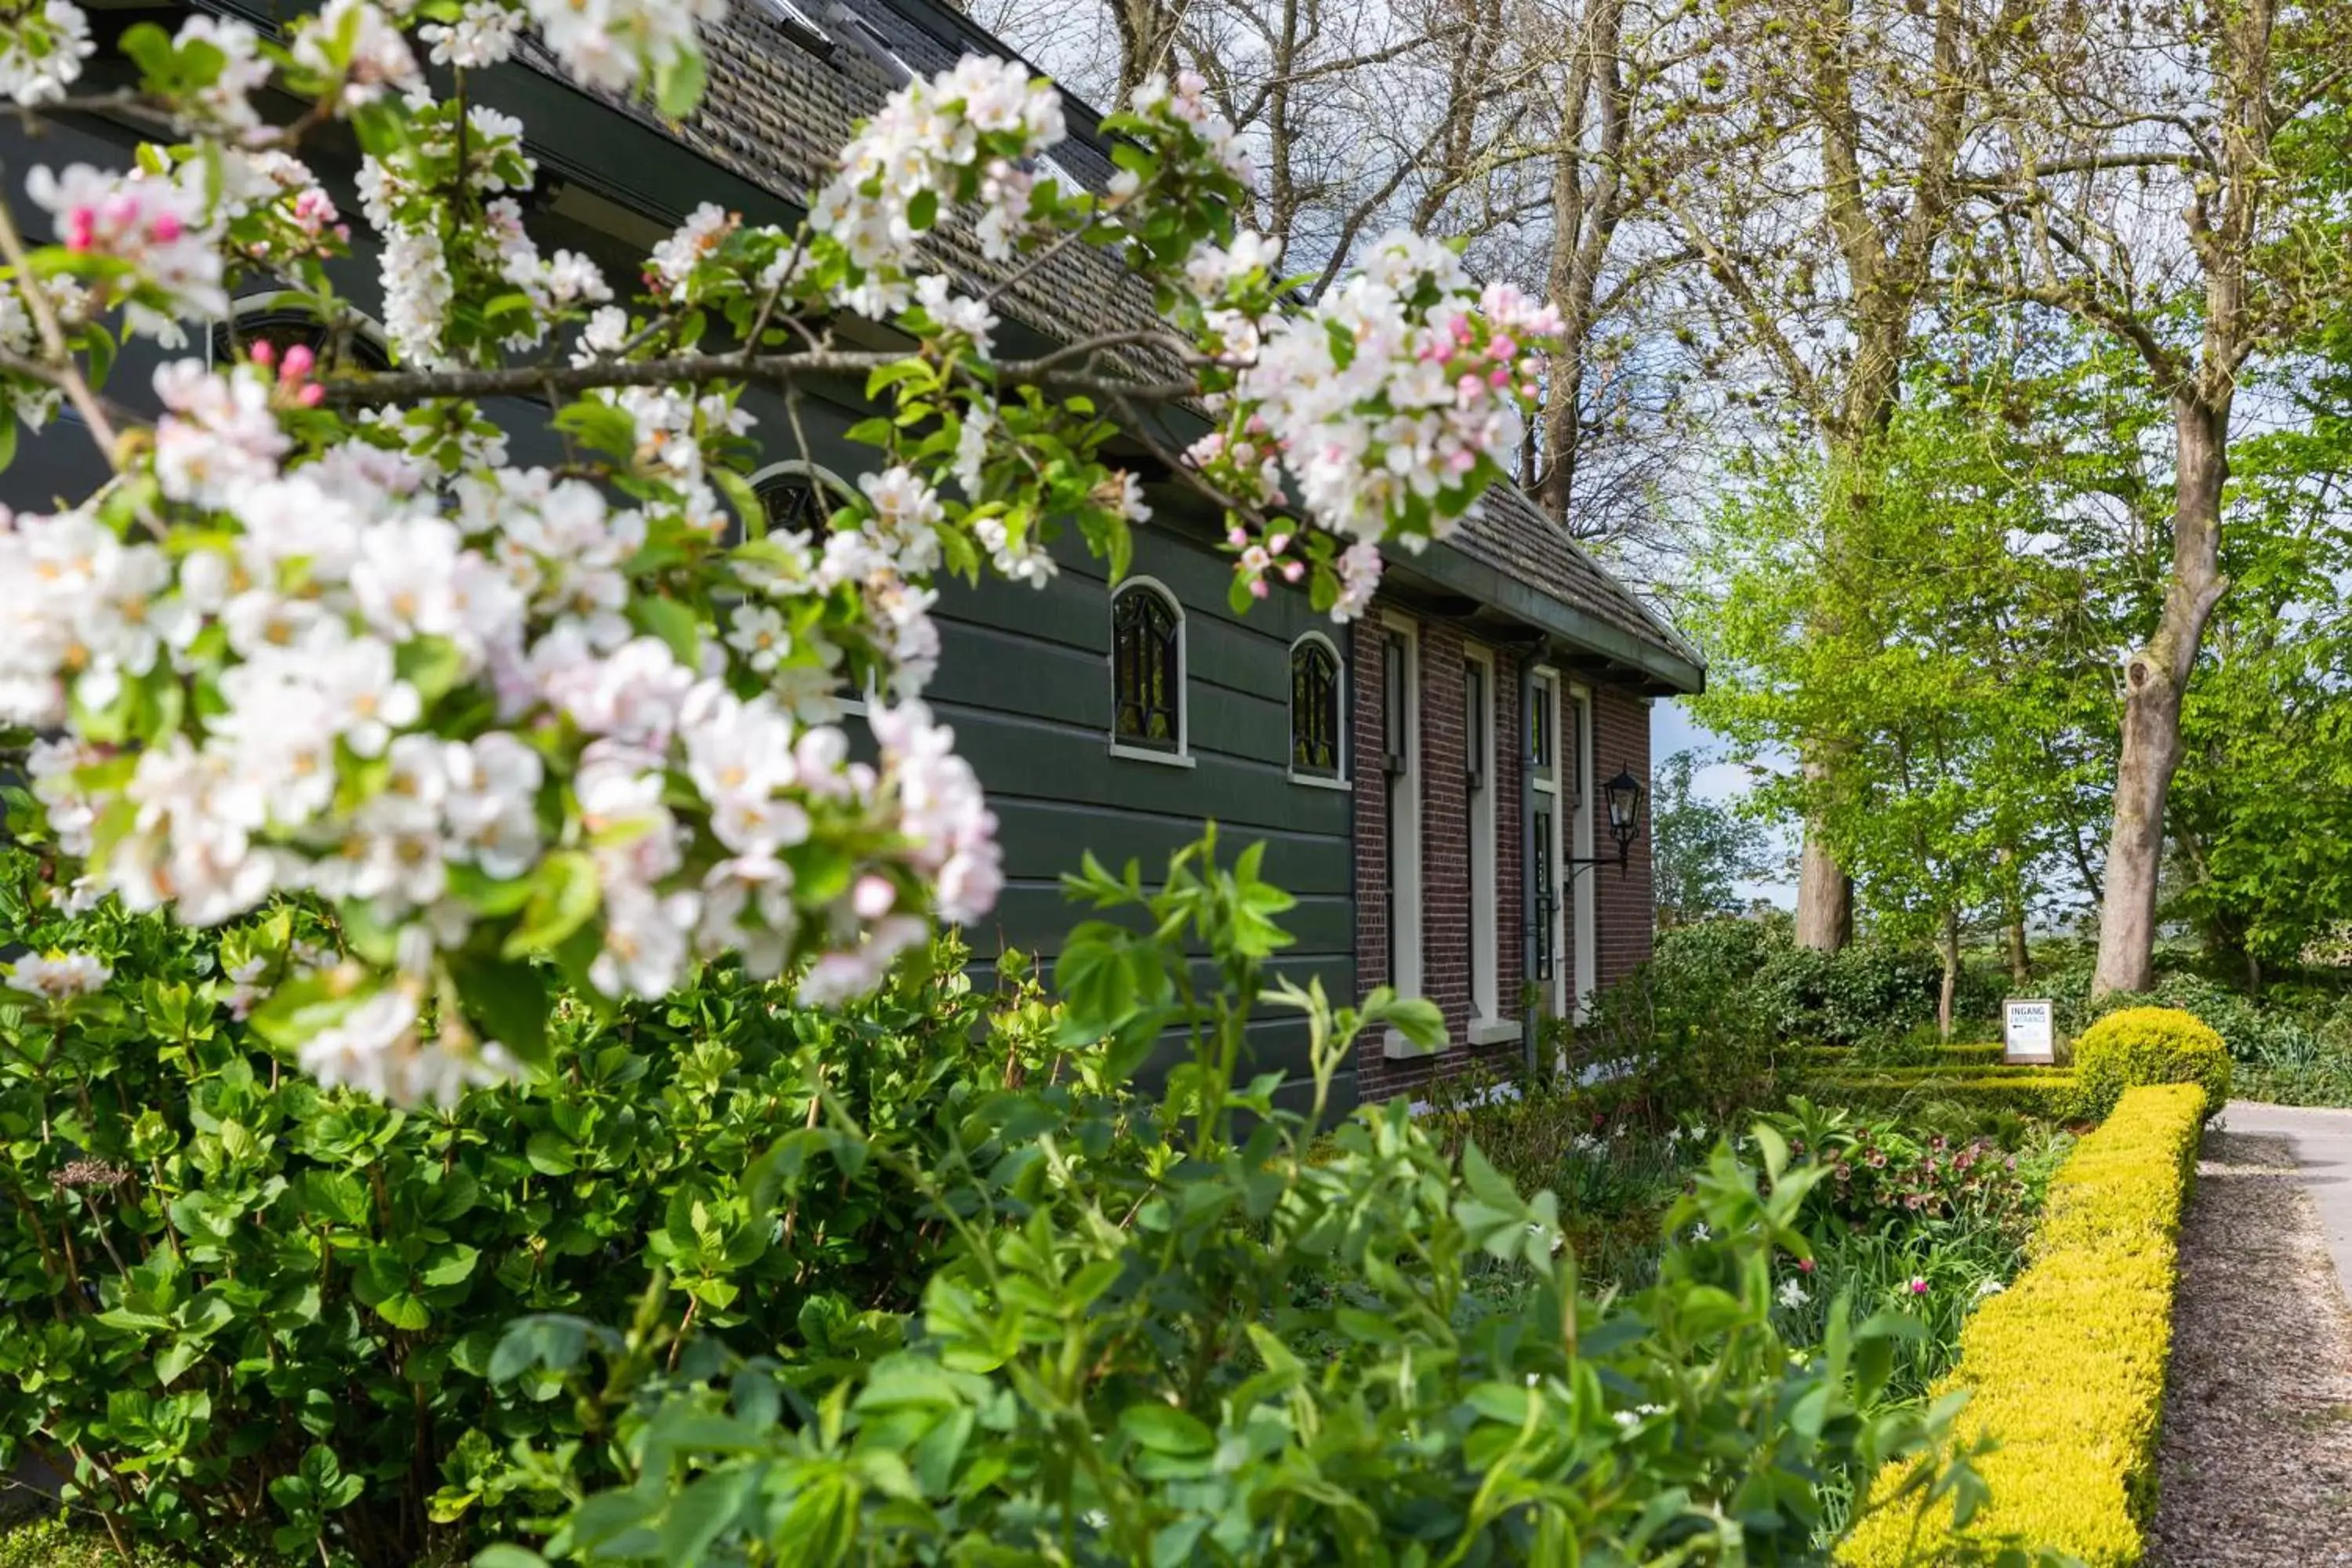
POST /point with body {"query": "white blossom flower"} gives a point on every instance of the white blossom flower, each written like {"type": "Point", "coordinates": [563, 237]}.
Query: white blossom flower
{"type": "Point", "coordinates": [58, 976]}
{"type": "Point", "coordinates": [41, 52]}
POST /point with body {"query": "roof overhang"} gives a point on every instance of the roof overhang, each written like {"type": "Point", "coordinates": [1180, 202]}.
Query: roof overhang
{"type": "Point", "coordinates": [1575, 638]}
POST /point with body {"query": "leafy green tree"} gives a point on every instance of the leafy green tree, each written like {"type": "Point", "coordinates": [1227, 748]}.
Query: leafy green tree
{"type": "Point", "coordinates": [1700, 849]}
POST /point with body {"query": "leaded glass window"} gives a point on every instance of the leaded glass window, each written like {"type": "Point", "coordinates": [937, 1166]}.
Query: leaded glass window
{"type": "Point", "coordinates": [1146, 662]}
{"type": "Point", "coordinates": [1314, 709]}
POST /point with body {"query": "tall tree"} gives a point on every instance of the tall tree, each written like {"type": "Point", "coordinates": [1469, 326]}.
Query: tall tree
{"type": "Point", "coordinates": [2138, 178]}
{"type": "Point", "coordinates": [1700, 849]}
{"type": "Point", "coordinates": [1829, 142]}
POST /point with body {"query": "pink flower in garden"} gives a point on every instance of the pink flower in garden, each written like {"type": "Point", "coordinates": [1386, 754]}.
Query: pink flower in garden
{"type": "Point", "coordinates": [1918, 1286]}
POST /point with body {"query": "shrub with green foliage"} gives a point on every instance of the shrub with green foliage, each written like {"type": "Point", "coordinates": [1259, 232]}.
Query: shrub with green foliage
{"type": "Point", "coordinates": [1248, 1345]}
{"type": "Point", "coordinates": [238, 1303]}
{"type": "Point", "coordinates": [2148, 1045]}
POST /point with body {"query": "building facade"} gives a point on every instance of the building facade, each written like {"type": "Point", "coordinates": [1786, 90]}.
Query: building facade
{"type": "Point", "coordinates": [1419, 777]}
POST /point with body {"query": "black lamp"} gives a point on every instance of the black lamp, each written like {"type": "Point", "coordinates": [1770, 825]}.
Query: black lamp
{"type": "Point", "coordinates": [1624, 795]}
{"type": "Point", "coordinates": [1622, 798]}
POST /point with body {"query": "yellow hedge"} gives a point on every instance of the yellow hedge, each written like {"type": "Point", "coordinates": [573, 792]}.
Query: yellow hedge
{"type": "Point", "coordinates": [2066, 1367]}
{"type": "Point", "coordinates": [2150, 1045]}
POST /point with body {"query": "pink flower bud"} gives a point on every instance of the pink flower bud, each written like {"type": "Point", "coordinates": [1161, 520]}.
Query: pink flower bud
{"type": "Point", "coordinates": [1278, 543]}
{"type": "Point", "coordinates": [873, 897]}
{"type": "Point", "coordinates": [1468, 388]}
{"type": "Point", "coordinates": [311, 395]}
{"type": "Point", "coordinates": [1235, 537]}
{"type": "Point", "coordinates": [1499, 378]}
{"type": "Point", "coordinates": [1502, 348]}
{"type": "Point", "coordinates": [1918, 1286]}
{"type": "Point", "coordinates": [120, 210]}
{"type": "Point", "coordinates": [1804, 1266]}
{"type": "Point", "coordinates": [263, 354]}
{"type": "Point", "coordinates": [1292, 571]}
{"type": "Point", "coordinates": [1258, 589]}
{"type": "Point", "coordinates": [81, 229]}
{"type": "Point", "coordinates": [165, 229]}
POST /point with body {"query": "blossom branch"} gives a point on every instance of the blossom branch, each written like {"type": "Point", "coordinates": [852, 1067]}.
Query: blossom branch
{"type": "Point", "coordinates": [64, 371]}
{"type": "Point", "coordinates": [1051, 371]}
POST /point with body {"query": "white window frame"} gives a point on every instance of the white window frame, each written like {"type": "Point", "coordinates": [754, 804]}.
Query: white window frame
{"type": "Point", "coordinates": [1409, 974]}
{"type": "Point", "coordinates": [1578, 712]}
{"type": "Point", "coordinates": [1182, 757]}
{"type": "Point", "coordinates": [1489, 1024]}
{"type": "Point", "coordinates": [825, 479]}
{"type": "Point", "coordinates": [1341, 779]}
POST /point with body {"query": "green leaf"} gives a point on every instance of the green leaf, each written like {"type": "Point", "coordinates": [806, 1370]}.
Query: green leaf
{"type": "Point", "coordinates": [508, 1001]}
{"type": "Point", "coordinates": [679, 81]}
{"type": "Point", "coordinates": [564, 895]}
{"type": "Point", "coordinates": [299, 1009]}
{"type": "Point", "coordinates": [1164, 1430]}
{"type": "Point", "coordinates": [674, 623]}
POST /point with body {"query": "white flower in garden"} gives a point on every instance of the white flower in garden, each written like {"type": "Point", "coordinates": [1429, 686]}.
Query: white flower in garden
{"type": "Point", "coordinates": [58, 976]}
{"type": "Point", "coordinates": [483, 34]}
{"type": "Point", "coordinates": [220, 439]}
{"type": "Point", "coordinates": [906, 515]}
{"type": "Point", "coordinates": [41, 52]}
{"type": "Point", "coordinates": [365, 698]}
{"type": "Point", "coordinates": [1792, 1295]}
{"type": "Point", "coordinates": [378, 60]}
{"type": "Point", "coordinates": [971, 318]}
{"type": "Point", "coordinates": [491, 806]}
{"type": "Point", "coordinates": [705, 229]}
{"type": "Point", "coordinates": [1359, 579]}
{"type": "Point", "coordinates": [758, 633]}
{"type": "Point", "coordinates": [1700, 1233]}
{"type": "Point", "coordinates": [645, 949]}
{"type": "Point", "coordinates": [1986, 1287]}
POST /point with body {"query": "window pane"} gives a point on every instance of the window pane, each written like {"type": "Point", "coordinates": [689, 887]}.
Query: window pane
{"type": "Point", "coordinates": [1146, 675]}
{"type": "Point", "coordinates": [1315, 709]}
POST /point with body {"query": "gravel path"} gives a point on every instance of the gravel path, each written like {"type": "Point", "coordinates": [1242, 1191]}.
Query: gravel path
{"type": "Point", "coordinates": [2256, 1463]}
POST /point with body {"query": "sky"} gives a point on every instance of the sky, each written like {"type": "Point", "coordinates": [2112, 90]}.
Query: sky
{"type": "Point", "coordinates": [1672, 731]}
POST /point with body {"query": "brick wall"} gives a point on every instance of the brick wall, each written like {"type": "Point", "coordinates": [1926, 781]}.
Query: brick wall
{"type": "Point", "coordinates": [1624, 908]}
{"type": "Point", "coordinates": [1446, 956]}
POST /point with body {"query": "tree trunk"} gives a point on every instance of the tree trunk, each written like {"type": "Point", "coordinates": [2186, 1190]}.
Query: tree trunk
{"type": "Point", "coordinates": [1824, 892]}
{"type": "Point", "coordinates": [2020, 961]}
{"type": "Point", "coordinates": [1949, 950]}
{"type": "Point", "coordinates": [2155, 680]}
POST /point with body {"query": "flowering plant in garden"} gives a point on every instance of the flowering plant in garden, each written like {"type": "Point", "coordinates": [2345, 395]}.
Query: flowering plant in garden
{"type": "Point", "coordinates": [319, 636]}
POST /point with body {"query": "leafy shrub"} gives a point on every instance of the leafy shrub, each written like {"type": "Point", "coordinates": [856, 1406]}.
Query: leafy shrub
{"type": "Point", "coordinates": [240, 1302]}
{"type": "Point", "coordinates": [1245, 1346]}
{"type": "Point", "coordinates": [2066, 1366]}
{"type": "Point", "coordinates": [1867, 991]}
{"type": "Point", "coordinates": [1690, 1033]}
{"type": "Point", "coordinates": [2148, 1045]}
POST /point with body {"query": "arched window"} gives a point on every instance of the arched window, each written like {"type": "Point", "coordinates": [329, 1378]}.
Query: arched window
{"type": "Point", "coordinates": [356, 346]}
{"type": "Point", "coordinates": [1147, 666]}
{"type": "Point", "coordinates": [794, 498]}
{"type": "Point", "coordinates": [1315, 709]}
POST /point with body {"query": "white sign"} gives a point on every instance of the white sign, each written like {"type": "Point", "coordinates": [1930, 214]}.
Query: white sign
{"type": "Point", "coordinates": [2027, 1031]}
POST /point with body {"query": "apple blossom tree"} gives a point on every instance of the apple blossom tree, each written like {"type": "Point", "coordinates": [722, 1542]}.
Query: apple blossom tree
{"type": "Point", "coordinates": [318, 638]}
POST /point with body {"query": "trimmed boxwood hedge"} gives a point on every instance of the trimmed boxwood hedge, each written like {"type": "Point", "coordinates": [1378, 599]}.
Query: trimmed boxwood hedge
{"type": "Point", "coordinates": [2066, 1367]}
{"type": "Point", "coordinates": [2041, 1092]}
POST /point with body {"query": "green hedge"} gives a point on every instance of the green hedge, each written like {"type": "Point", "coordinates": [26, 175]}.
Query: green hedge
{"type": "Point", "coordinates": [2042, 1092]}
{"type": "Point", "coordinates": [1980, 1053]}
{"type": "Point", "coordinates": [2066, 1367]}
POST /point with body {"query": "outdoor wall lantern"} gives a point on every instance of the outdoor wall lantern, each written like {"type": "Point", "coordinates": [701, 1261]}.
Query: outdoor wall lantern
{"type": "Point", "coordinates": [1623, 796]}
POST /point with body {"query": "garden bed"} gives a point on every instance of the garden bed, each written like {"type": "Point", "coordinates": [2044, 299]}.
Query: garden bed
{"type": "Point", "coordinates": [2066, 1368]}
